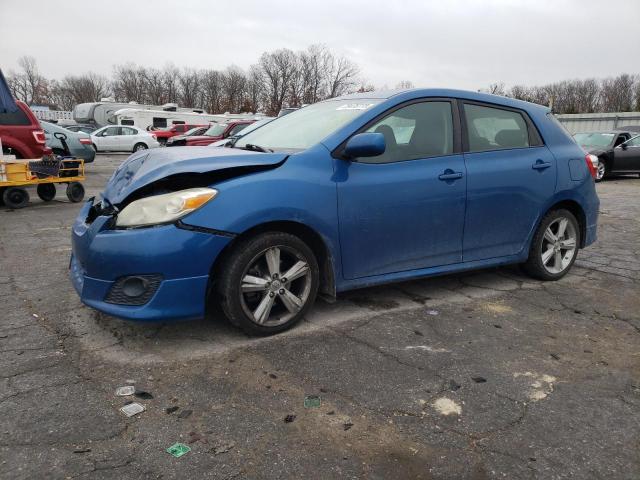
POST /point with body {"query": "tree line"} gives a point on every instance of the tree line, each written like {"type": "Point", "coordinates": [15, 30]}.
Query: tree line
{"type": "Point", "coordinates": [591, 95]}
{"type": "Point", "coordinates": [281, 78]}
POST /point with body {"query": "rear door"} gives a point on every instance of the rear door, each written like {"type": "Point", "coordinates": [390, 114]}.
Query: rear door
{"type": "Point", "coordinates": [127, 139]}
{"type": "Point", "coordinates": [511, 175]}
{"type": "Point", "coordinates": [627, 156]}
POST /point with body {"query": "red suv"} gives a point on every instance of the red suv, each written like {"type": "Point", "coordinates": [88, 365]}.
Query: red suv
{"type": "Point", "coordinates": [21, 133]}
{"type": "Point", "coordinates": [164, 134]}
{"type": "Point", "coordinates": [218, 131]}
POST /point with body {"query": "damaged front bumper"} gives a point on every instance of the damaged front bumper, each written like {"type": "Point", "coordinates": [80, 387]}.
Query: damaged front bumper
{"type": "Point", "coordinates": [147, 274]}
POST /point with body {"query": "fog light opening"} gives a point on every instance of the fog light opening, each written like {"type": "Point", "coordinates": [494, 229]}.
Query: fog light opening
{"type": "Point", "coordinates": [134, 286]}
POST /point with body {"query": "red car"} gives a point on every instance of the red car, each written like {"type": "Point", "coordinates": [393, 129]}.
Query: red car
{"type": "Point", "coordinates": [218, 131]}
{"type": "Point", "coordinates": [164, 134]}
{"type": "Point", "coordinates": [22, 134]}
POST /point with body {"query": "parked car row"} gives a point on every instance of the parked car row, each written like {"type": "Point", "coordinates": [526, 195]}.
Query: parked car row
{"type": "Point", "coordinates": [618, 151]}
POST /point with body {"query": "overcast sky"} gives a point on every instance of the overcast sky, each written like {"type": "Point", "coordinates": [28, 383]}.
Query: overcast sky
{"type": "Point", "coordinates": [451, 43]}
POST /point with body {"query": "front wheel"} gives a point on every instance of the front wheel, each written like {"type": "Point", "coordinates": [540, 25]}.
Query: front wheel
{"type": "Point", "coordinates": [601, 170]}
{"type": "Point", "coordinates": [15, 197]}
{"type": "Point", "coordinates": [139, 146]}
{"type": "Point", "coordinates": [268, 283]}
{"type": "Point", "coordinates": [554, 246]}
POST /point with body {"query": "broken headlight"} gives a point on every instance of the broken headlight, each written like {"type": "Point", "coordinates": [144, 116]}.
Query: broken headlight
{"type": "Point", "coordinates": [165, 208]}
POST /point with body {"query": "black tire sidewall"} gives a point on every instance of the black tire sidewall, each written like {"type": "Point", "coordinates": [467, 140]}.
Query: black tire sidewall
{"type": "Point", "coordinates": [11, 191]}
{"type": "Point", "coordinates": [46, 191]}
{"type": "Point", "coordinates": [136, 147]}
{"type": "Point", "coordinates": [230, 277]}
{"type": "Point", "coordinates": [75, 192]}
{"type": "Point", "coordinates": [534, 265]}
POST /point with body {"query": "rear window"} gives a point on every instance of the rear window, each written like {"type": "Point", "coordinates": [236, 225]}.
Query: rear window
{"type": "Point", "coordinates": [495, 129]}
{"type": "Point", "coordinates": [14, 118]}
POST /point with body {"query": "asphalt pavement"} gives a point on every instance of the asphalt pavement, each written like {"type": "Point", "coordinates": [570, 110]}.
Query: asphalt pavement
{"type": "Point", "coordinates": [482, 375]}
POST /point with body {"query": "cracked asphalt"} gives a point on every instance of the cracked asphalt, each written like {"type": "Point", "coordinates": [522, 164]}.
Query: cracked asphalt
{"type": "Point", "coordinates": [482, 375]}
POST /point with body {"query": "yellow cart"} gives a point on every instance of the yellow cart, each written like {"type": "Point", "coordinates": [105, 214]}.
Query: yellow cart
{"type": "Point", "coordinates": [44, 173]}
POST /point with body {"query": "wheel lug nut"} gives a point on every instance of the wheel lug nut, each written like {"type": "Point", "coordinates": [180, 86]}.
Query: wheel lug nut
{"type": "Point", "coordinates": [271, 294]}
{"type": "Point", "coordinates": [282, 291]}
{"type": "Point", "coordinates": [275, 275]}
{"type": "Point", "coordinates": [284, 280]}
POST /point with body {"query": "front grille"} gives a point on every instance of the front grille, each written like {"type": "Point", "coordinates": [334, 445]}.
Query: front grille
{"type": "Point", "coordinates": [123, 293]}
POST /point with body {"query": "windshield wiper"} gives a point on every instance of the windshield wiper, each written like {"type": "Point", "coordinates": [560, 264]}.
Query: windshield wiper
{"type": "Point", "coordinates": [256, 148]}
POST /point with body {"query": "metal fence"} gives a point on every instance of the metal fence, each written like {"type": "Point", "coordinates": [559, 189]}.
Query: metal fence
{"type": "Point", "coordinates": [47, 115]}
{"type": "Point", "coordinates": [598, 122]}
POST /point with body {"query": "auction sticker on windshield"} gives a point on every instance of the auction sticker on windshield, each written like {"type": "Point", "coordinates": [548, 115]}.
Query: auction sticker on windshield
{"type": "Point", "coordinates": [355, 106]}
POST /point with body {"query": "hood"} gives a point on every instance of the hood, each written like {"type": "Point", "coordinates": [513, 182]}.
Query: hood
{"type": "Point", "coordinates": [151, 166]}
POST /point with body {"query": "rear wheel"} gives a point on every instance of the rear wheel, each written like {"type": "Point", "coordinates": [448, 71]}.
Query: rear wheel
{"type": "Point", "coordinates": [554, 247]}
{"type": "Point", "coordinates": [268, 283]}
{"type": "Point", "coordinates": [139, 146]}
{"type": "Point", "coordinates": [75, 192]}
{"type": "Point", "coordinates": [15, 197]}
{"type": "Point", "coordinates": [46, 191]}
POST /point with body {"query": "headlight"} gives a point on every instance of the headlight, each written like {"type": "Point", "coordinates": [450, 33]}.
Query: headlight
{"type": "Point", "coordinates": [164, 208]}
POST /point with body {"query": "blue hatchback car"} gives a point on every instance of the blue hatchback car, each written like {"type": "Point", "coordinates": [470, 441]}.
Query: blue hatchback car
{"type": "Point", "coordinates": [346, 193]}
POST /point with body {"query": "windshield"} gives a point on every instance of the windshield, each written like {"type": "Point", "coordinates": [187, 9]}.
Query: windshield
{"type": "Point", "coordinates": [307, 126]}
{"type": "Point", "coordinates": [192, 131]}
{"type": "Point", "coordinates": [250, 128]}
{"type": "Point", "coordinates": [216, 130]}
{"type": "Point", "coordinates": [594, 139]}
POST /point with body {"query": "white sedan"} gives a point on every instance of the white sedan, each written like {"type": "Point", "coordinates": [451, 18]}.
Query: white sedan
{"type": "Point", "coordinates": [118, 138]}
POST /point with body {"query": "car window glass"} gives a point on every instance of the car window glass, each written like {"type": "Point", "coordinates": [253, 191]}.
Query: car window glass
{"type": "Point", "coordinates": [416, 131]}
{"type": "Point", "coordinates": [111, 131]}
{"type": "Point", "coordinates": [634, 142]}
{"type": "Point", "coordinates": [491, 128]}
{"type": "Point", "coordinates": [128, 131]}
{"type": "Point", "coordinates": [238, 128]}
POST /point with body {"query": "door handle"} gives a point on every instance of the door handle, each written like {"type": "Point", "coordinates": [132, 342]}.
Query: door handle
{"type": "Point", "coordinates": [540, 165]}
{"type": "Point", "coordinates": [450, 175]}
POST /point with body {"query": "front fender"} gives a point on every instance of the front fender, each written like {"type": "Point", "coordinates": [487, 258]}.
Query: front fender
{"type": "Point", "coordinates": [301, 190]}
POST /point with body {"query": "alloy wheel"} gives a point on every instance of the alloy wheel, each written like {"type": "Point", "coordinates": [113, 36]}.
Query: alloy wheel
{"type": "Point", "coordinates": [275, 286]}
{"type": "Point", "coordinates": [559, 245]}
{"type": "Point", "coordinates": [600, 171]}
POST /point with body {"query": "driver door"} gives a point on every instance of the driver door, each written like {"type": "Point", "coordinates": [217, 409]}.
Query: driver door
{"type": "Point", "coordinates": [108, 139]}
{"type": "Point", "coordinates": [627, 156]}
{"type": "Point", "coordinates": [404, 209]}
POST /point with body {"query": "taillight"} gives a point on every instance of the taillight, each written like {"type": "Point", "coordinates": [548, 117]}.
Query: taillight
{"type": "Point", "coordinates": [39, 136]}
{"type": "Point", "coordinates": [592, 164]}
{"type": "Point", "coordinates": [85, 141]}
{"type": "Point", "coordinates": [154, 135]}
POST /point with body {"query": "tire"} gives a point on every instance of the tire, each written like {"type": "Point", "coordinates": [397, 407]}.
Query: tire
{"type": "Point", "coordinates": [15, 197]}
{"type": "Point", "coordinates": [75, 192]}
{"type": "Point", "coordinates": [558, 260]}
{"type": "Point", "coordinates": [2, 189]}
{"type": "Point", "coordinates": [94, 147]}
{"type": "Point", "coordinates": [139, 146]}
{"type": "Point", "coordinates": [46, 191]}
{"type": "Point", "coordinates": [289, 300]}
{"type": "Point", "coordinates": [59, 151]}
{"type": "Point", "coordinates": [602, 170]}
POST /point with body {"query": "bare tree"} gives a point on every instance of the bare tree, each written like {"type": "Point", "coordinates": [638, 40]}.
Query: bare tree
{"type": "Point", "coordinates": [341, 76]}
{"type": "Point", "coordinates": [28, 85]}
{"type": "Point", "coordinates": [278, 70]}
{"type": "Point", "coordinates": [404, 85]}
{"type": "Point", "coordinates": [189, 81]}
{"type": "Point", "coordinates": [233, 86]}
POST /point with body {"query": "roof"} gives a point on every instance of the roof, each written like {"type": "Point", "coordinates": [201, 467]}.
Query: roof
{"type": "Point", "coordinates": [445, 92]}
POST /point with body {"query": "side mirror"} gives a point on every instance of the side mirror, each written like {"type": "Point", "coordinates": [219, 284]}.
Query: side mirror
{"type": "Point", "coordinates": [365, 145]}
{"type": "Point", "coordinates": [623, 146]}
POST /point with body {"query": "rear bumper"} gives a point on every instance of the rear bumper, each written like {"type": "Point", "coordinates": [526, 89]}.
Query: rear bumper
{"type": "Point", "coordinates": [182, 258]}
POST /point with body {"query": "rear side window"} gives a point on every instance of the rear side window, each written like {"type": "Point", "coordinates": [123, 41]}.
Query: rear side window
{"type": "Point", "coordinates": [14, 118]}
{"type": "Point", "coordinates": [491, 128]}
